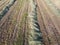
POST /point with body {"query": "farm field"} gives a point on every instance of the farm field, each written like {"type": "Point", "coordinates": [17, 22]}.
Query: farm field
{"type": "Point", "coordinates": [29, 22]}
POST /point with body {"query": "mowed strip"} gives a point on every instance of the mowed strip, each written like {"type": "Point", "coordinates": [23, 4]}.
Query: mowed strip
{"type": "Point", "coordinates": [13, 14]}
{"type": "Point", "coordinates": [4, 22]}
{"type": "Point", "coordinates": [51, 29]}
